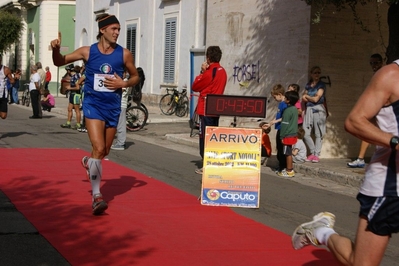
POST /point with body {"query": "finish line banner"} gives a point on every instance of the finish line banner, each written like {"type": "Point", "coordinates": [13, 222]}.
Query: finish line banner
{"type": "Point", "coordinates": [231, 170]}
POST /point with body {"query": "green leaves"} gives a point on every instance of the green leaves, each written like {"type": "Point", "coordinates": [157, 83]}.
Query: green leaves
{"type": "Point", "coordinates": [10, 30]}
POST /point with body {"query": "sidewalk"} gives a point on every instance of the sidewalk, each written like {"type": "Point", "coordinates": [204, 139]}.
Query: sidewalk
{"type": "Point", "coordinates": [332, 169]}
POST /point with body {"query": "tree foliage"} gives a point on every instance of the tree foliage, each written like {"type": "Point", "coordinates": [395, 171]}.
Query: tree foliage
{"type": "Point", "coordinates": [10, 30]}
{"type": "Point", "coordinates": [392, 51]}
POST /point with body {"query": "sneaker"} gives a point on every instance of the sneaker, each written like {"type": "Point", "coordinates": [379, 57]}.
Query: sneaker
{"type": "Point", "coordinates": [85, 166]}
{"type": "Point", "coordinates": [199, 171]}
{"type": "Point", "coordinates": [304, 234]}
{"type": "Point", "coordinates": [310, 158]}
{"type": "Point", "coordinates": [82, 129]}
{"type": "Point", "coordinates": [286, 173]}
{"type": "Point", "coordinates": [99, 205]}
{"type": "Point", "coordinates": [118, 147]}
{"type": "Point", "coordinates": [315, 159]}
{"type": "Point", "coordinates": [66, 125]}
{"type": "Point", "coordinates": [358, 163]}
{"type": "Point", "coordinates": [76, 127]}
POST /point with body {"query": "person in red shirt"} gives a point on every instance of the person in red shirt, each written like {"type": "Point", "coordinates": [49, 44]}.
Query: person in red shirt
{"type": "Point", "coordinates": [211, 80]}
{"type": "Point", "coordinates": [48, 78]}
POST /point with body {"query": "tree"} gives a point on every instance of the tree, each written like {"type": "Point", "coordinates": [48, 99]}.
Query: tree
{"type": "Point", "coordinates": [392, 52]}
{"type": "Point", "coordinates": [10, 30]}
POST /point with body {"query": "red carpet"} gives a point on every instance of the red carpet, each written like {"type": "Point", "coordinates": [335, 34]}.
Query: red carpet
{"type": "Point", "coordinates": [147, 223]}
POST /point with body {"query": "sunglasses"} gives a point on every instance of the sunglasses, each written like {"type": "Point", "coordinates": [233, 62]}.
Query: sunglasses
{"type": "Point", "coordinates": [316, 73]}
{"type": "Point", "coordinates": [375, 63]}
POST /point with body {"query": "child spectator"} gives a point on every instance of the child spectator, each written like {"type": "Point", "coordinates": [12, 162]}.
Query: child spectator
{"type": "Point", "coordinates": [289, 131]}
{"type": "Point", "coordinates": [266, 145]}
{"type": "Point", "coordinates": [48, 101]}
{"type": "Point", "coordinates": [278, 95]}
{"type": "Point", "coordinates": [299, 148]}
{"type": "Point", "coordinates": [298, 104]}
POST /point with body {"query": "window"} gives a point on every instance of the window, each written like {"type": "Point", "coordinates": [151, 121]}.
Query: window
{"type": "Point", "coordinates": [170, 50]}
{"type": "Point", "coordinates": [131, 39]}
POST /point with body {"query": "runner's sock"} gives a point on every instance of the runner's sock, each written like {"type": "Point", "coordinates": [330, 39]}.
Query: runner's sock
{"type": "Point", "coordinates": [322, 234]}
{"type": "Point", "coordinates": [95, 170]}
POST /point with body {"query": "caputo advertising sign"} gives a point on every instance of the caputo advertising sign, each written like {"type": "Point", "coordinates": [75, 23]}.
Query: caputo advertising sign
{"type": "Point", "coordinates": [231, 172]}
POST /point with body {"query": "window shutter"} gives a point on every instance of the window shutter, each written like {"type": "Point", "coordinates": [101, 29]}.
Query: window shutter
{"type": "Point", "coordinates": [170, 50]}
{"type": "Point", "coordinates": [131, 39]}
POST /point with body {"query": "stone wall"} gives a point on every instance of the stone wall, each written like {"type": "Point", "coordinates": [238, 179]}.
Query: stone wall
{"type": "Point", "coordinates": [276, 42]}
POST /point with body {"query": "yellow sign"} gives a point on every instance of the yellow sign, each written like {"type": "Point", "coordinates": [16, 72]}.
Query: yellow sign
{"type": "Point", "coordinates": [231, 171]}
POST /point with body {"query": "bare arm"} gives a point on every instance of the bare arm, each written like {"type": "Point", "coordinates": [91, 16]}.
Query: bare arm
{"type": "Point", "coordinates": [8, 74]}
{"type": "Point", "coordinates": [316, 98]}
{"type": "Point", "coordinates": [383, 89]}
{"type": "Point", "coordinates": [81, 53]}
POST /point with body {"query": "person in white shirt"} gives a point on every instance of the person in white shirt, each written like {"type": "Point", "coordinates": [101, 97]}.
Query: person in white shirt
{"type": "Point", "coordinates": [34, 90]}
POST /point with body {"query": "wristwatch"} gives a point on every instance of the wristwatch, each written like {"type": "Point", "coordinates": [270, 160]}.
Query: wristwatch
{"type": "Point", "coordinates": [394, 142]}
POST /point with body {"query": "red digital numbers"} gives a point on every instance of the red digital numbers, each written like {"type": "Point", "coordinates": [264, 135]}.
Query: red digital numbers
{"type": "Point", "coordinates": [231, 105]}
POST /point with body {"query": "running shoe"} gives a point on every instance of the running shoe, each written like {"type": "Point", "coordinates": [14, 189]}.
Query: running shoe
{"type": "Point", "coordinates": [286, 173]}
{"type": "Point", "coordinates": [118, 147]}
{"type": "Point", "coordinates": [199, 171]}
{"type": "Point", "coordinates": [66, 125]}
{"type": "Point", "coordinates": [99, 205]}
{"type": "Point", "coordinates": [85, 166]}
{"type": "Point", "coordinates": [310, 158]}
{"type": "Point", "coordinates": [304, 234]}
{"type": "Point", "coordinates": [358, 163]}
{"type": "Point", "coordinates": [315, 159]}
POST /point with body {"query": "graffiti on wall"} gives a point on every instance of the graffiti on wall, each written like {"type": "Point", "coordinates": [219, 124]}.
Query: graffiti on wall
{"type": "Point", "coordinates": [246, 73]}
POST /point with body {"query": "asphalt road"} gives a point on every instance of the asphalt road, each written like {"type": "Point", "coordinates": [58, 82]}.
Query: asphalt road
{"type": "Point", "coordinates": [284, 203]}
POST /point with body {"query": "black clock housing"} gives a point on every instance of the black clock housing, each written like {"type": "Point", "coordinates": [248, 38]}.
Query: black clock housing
{"type": "Point", "coordinates": [234, 105]}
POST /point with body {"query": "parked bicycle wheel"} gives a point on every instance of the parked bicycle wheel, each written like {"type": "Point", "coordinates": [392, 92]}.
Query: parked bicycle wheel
{"type": "Point", "coordinates": [23, 99]}
{"type": "Point", "coordinates": [194, 125]}
{"type": "Point", "coordinates": [182, 107]}
{"type": "Point", "coordinates": [167, 104]}
{"type": "Point", "coordinates": [27, 101]}
{"type": "Point", "coordinates": [136, 118]}
{"type": "Point", "coordinates": [145, 108]}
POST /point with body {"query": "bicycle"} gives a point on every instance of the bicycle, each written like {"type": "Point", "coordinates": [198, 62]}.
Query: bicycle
{"type": "Point", "coordinates": [136, 116]}
{"type": "Point", "coordinates": [174, 102]}
{"type": "Point", "coordinates": [25, 99]}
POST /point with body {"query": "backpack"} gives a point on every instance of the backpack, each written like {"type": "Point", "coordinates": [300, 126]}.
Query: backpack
{"type": "Point", "coordinates": [136, 90]}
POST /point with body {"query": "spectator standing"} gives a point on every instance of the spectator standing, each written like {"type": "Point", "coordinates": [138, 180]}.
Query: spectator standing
{"type": "Point", "coordinates": [105, 62]}
{"type": "Point", "coordinates": [74, 100]}
{"type": "Point", "coordinates": [15, 86]}
{"type": "Point", "coordinates": [5, 73]}
{"type": "Point", "coordinates": [266, 148]}
{"type": "Point", "coordinates": [119, 144]}
{"type": "Point", "coordinates": [48, 78]}
{"type": "Point", "coordinates": [80, 84]}
{"type": "Point", "coordinates": [315, 114]}
{"type": "Point", "coordinates": [375, 63]}
{"type": "Point", "coordinates": [298, 104]}
{"type": "Point", "coordinates": [34, 90]}
{"type": "Point", "coordinates": [277, 93]}
{"type": "Point", "coordinates": [48, 101]}
{"type": "Point", "coordinates": [289, 131]}
{"type": "Point", "coordinates": [211, 80]}
{"type": "Point", "coordinates": [42, 75]}
{"type": "Point", "coordinates": [374, 118]}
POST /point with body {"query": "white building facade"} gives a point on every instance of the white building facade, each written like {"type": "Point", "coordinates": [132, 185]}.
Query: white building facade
{"type": "Point", "coordinates": [264, 42]}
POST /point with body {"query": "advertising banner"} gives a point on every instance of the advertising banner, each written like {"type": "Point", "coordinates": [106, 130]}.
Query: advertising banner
{"type": "Point", "coordinates": [231, 171]}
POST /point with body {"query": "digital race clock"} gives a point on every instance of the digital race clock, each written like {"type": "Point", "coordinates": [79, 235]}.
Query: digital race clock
{"type": "Point", "coordinates": [233, 105]}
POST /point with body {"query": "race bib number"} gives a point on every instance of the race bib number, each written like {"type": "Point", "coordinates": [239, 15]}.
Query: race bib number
{"type": "Point", "coordinates": [99, 82]}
